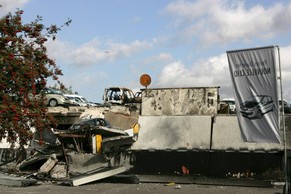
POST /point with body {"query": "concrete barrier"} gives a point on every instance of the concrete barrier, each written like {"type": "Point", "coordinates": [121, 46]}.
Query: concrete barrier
{"type": "Point", "coordinates": [174, 133]}
{"type": "Point", "coordinates": [194, 133]}
{"type": "Point", "coordinates": [227, 137]}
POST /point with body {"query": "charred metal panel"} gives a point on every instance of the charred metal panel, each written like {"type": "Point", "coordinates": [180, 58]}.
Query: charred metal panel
{"type": "Point", "coordinates": [121, 120]}
{"type": "Point", "coordinates": [227, 137]}
{"type": "Point", "coordinates": [180, 101]}
{"type": "Point", "coordinates": [85, 162]}
{"type": "Point", "coordinates": [174, 133]}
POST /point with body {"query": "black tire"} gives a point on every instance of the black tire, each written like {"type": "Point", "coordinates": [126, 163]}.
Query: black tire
{"type": "Point", "coordinates": [259, 114]}
{"type": "Point", "coordinates": [53, 102]}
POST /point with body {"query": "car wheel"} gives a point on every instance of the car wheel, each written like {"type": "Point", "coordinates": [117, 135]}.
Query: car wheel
{"type": "Point", "coordinates": [259, 114]}
{"type": "Point", "coordinates": [53, 102]}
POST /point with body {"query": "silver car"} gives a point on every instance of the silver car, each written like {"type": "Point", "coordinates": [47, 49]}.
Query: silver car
{"type": "Point", "coordinates": [257, 106]}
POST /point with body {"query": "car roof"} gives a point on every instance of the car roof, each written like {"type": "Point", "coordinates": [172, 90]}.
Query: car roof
{"type": "Point", "coordinates": [73, 95]}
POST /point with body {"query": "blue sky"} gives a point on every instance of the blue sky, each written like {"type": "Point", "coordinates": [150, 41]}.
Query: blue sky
{"type": "Point", "coordinates": [178, 43]}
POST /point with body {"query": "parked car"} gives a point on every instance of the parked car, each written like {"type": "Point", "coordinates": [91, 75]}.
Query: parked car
{"type": "Point", "coordinates": [55, 98]}
{"type": "Point", "coordinates": [287, 106]}
{"type": "Point", "coordinates": [257, 106]}
{"type": "Point", "coordinates": [231, 104]}
{"type": "Point", "coordinates": [75, 101]}
{"type": "Point", "coordinates": [79, 100]}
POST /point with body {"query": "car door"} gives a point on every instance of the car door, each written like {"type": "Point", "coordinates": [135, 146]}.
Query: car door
{"type": "Point", "coordinates": [266, 104]}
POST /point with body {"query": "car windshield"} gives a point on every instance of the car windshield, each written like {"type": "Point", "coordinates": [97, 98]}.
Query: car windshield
{"type": "Point", "coordinates": [84, 99]}
{"type": "Point", "coordinates": [228, 102]}
{"type": "Point", "coordinates": [91, 123]}
{"type": "Point", "coordinates": [77, 99]}
{"type": "Point", "coordinates": [52, 91]}
{"type": "Point", "coordinates": [285, 103]}
{"type": "Point", "coordinates": [256, 99]}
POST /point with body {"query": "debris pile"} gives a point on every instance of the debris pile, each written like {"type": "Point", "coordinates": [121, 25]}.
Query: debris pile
{"type": "Point", "coordinates": [86, 152]}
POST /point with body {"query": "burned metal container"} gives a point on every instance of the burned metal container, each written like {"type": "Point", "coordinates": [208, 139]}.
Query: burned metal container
{"type": "Point", "coordinates": [180, 101]}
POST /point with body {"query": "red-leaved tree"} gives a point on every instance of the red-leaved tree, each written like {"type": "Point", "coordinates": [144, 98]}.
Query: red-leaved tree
{"type": "Point", "coordinates": [25, 68]}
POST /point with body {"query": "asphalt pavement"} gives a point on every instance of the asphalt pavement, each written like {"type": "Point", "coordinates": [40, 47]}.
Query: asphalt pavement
{"type": "Point", "coordinates": [142, 184]}
{"type": "Point", "coordinates": [140, 188]}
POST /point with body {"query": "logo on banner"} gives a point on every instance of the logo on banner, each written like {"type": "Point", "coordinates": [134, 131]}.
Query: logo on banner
{"type": "Point", "coordinates": [257, 106]}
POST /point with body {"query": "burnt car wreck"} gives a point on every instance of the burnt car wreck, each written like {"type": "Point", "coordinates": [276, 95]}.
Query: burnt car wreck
{"type": "Point", "coordinates": [87, 151]}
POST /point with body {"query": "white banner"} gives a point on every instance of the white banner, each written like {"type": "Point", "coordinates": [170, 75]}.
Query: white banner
{"type": "Point", "coordinates": [253, 74]}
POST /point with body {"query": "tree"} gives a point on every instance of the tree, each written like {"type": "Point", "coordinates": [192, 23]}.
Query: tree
{"type": "Point", "coordinates": [25, 68]}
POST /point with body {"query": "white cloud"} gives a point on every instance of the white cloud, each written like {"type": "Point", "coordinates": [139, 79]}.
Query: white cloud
{"type": "Point", "coordinates": [117, 50]}
{"type": "Point", "coordinates": [214, 71]}
{"type": "Point", "coordinates": [94, 51]}
{"type": "Point", "coordinates": [286, 59]}
{"type": "Point", "coordinates": [227, 21]}
{"type": "Point", "coordinates": [210, 72]}
{"type": "Point", "coordinates": [158, 59]}
{"type": "Point", "coordinates": [286, 71]}
{"type": "Point", "coordinates": [11, 6]}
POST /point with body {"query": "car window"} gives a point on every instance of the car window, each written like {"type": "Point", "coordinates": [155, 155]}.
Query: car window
{"type": "Point", "coordinates": [102, 122]}
{"type": "Point", "coordinates": [77, 99]}
{"type": "Point", "coordinates": [231, 102]}
{"type": "Point", "coordinates": [84, 99]}
{"type": "Point", "coordinates": [264, 100]}
{"type": "Point", "coordinates": [89, 123]}
{"type": "Point", "coordinates": [52, 91]}
{"type": "Point", "coordinates": [228, 102]}
{"type": "Point", "coordinates": [280, 102]}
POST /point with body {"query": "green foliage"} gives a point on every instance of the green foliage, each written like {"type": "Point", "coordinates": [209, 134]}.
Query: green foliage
{"type": "Point", "coordinates": [24, 67]}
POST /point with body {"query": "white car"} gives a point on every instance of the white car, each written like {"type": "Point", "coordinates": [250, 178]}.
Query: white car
{"type": "Point", "coordinates": [231, 104]}
{"type": "Point", "coordinates": [55, 98]}
{"type": "Point", "coordinates": [79, 100]}
{"type": "Point", "coordinates": [287, 106]}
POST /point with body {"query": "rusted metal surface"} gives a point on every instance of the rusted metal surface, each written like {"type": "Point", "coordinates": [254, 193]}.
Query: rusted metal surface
{"type": "Point", "coordinates": [180, 101]}
{"type": "Point", "coordinates": [122, 120]}
{"type": "Point", "coordinates": [71, 135]}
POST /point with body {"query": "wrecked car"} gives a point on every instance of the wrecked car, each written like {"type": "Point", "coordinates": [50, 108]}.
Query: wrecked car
{"type": "Point", "coordinates": [96, 134]}
{"type": "Point", "coordinates": [118, 95]}
{"type": "Point", "coordinates": [90, 123]}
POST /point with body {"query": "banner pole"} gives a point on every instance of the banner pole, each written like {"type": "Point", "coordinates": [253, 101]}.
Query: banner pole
{"type": "Point", "coordinates": [283, 123]}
